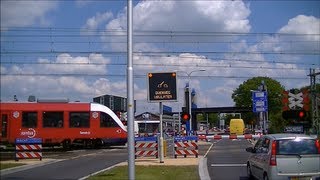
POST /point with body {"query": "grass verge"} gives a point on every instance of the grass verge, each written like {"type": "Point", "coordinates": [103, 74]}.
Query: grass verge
{"type": "Point", "coordinates": [9, 165]}
{"type": "Point", "coordinates": [151, 172]}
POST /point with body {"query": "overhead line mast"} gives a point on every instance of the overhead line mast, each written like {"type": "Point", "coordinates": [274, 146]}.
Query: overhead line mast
{"type": "Point", "coordinates": [315, 101]}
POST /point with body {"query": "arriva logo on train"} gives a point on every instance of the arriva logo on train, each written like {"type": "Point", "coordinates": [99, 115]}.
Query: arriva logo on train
{"type": "Point", "coordinates": [30, 133]}
{"type": "Point", "coordinates": [85, 132]}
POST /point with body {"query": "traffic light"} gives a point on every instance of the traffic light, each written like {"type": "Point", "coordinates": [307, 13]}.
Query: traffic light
{"type": "Point", "coordinates": [297, 115]}
{"type": "Point", "coordinates": [185, 117]}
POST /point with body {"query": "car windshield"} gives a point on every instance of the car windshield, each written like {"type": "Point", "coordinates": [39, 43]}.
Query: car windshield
{"type": "Point", "coordinates": [297, 146]}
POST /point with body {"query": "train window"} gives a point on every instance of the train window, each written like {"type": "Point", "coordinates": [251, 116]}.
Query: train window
{"type": "Point", "coordinates": [79, 119]}
{"type": "Point", "coordinates": [52, 119]}
{"type": "Point", "coordinates": [29, 119]}
{"type": "Point", "coordinates": [107, 121]}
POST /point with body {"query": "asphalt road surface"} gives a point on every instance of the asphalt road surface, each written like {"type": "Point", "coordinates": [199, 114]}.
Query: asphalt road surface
{"type": "Point", "coordinates": [227, 159]}
{"type": "Point", "coordinates": [75, 167]}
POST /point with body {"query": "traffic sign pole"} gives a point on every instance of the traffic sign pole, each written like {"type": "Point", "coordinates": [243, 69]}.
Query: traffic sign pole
{"type": "Point", "coordinates": [161, 135]}
{"type": "Point", "coordinates": [260, 104]}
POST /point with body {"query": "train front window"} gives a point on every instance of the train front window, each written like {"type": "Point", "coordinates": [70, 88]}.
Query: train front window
{"type": "Point", "coordinates": [107, 121]}
{"type": "Point", "coordinates": [52, 119]}
{"type": "Point", "coordinates": [79, 119]}
{"type": "Point", "coordinates": [29, 119]}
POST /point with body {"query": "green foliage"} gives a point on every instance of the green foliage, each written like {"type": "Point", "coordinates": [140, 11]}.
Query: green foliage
{"type": "Point", "coordinates": [242, 96]}
{"type": "Point", "coordinates": [213, 118]}
{"type": "Point", "coordinates": [151, 172]}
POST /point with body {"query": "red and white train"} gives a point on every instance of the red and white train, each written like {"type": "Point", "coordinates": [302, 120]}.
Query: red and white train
{"type": "Point", "coordinates": [61, 123]}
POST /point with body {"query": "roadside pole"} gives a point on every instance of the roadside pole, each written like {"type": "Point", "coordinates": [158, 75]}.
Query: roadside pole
{"type": "Point", "coordinates": [130, 104]}
{"type": "Point", "coordinates": [161, 134]}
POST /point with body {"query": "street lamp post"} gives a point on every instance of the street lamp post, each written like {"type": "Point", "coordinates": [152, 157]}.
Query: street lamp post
{"type": "Point", "coordinates": [190, 106]}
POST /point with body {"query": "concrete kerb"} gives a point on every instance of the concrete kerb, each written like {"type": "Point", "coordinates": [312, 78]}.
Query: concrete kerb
{"type": "Point", "coordinates": [203, 169]}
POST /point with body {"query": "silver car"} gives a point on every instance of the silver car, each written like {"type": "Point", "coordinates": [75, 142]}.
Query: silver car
{"type": "Point", "coordinates": [284, 156]}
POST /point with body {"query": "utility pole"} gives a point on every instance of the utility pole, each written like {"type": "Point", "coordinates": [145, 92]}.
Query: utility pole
{"type": "Point", "coordinates": [314, 102]}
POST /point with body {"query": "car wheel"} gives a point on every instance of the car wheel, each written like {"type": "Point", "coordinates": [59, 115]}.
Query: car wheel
{"type": "Point", "coordinates": [249, 173]}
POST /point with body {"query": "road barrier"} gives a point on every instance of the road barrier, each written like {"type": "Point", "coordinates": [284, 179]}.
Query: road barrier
{"type": "Point", "coordinates": [186, 146]}
{"type": "Point", "coordinates": [246, 136]}
{"type": "Point", "coordinates": [202, 137]}
{"type": "Point", "coordinates": [29, 148]}
{"type": "Point", "coordinates": [146, 146]}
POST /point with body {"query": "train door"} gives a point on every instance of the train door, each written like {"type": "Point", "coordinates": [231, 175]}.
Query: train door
{"type": "Point", "coordinates": [4, 125]}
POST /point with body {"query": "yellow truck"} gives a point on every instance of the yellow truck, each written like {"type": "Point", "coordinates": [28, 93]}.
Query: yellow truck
{"type": "Point", "coordinates": [236, 127]}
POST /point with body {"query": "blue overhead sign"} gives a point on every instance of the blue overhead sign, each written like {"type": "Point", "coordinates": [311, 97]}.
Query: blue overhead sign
{"type": "Point", "coordinates": [260, 101]}
{"type": "Point", "coordinates": [167, 109]}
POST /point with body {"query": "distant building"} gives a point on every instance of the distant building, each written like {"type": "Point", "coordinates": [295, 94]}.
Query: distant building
{"type": "Point", "coordinates": [115, 103]}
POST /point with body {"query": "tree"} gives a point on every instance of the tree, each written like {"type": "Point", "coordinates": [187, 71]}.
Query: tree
{"type": "Point", "coordinates": [242, 96]}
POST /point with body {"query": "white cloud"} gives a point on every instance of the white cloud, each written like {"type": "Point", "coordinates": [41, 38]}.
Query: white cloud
{"type": "Point", "coordinates": [306, 25]}
{"type": "Point", "coordinates": [93, 22]}
{"type": "Point", "coordinates": [308, 30]}
{"type": "Point", "coordinates": [186, 16]}
{"type": "Point", "coordinates": [192, 16]}
{"type": "Point", "coordinates": [81, 88]}
{"type": "Point", "coordinates": [25, 13]}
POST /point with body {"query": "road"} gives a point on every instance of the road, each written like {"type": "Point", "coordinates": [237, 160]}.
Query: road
{"type": "Point", "coordinates": [74, 167]}
{"type": "Point", "coordinates": [227, 159]}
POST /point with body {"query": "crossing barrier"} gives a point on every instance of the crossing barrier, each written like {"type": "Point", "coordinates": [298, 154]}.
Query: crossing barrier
{"type": "Point", "coordinates": [146, 146]}
{"type": "Point", "coordinates": [30, 148]}
{"type": "Point", "coordinates": [186, 146]}
{"type": "Point", "coordinates": [202, 137]}
{"type": "Point", "coordinates": [246, 136]}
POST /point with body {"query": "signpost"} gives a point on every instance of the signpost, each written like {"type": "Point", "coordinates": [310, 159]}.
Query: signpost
{"type": "Point", "coordinates": [260, 105]}
{"type": "Point", "coordinates": [162, 87]}
{"type": "Point", "coordinates": [260, 101]}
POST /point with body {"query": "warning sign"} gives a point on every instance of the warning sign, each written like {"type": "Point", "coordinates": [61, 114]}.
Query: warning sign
{"type": "Point", "coordinates": [162, 87]}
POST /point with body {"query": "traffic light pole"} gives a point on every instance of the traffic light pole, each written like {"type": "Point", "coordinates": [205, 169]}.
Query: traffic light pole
{"type": "Point", "coordinates": [190, 106]}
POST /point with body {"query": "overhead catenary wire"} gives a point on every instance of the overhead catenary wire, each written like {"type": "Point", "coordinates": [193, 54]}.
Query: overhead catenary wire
{"type": "Point", "coordinates": [12, 47]}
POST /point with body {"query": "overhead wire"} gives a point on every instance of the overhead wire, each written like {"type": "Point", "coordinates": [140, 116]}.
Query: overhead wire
{"type": "Point", "coordinates": [51, 33]}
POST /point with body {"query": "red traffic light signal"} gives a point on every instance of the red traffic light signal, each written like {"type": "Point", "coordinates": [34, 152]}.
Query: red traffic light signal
{"type": "Point", "coordinates": [302, 114]}
{"type": "Point", "coordinates": [298, 115]}
{"type": "Point", "coordinates": [185, 117]}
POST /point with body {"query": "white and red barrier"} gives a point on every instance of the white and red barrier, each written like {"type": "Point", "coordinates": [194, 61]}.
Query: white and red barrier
{"type": "Point", "coordinates": [146, 147]}
{"type": "Point", "coordinates": [246, 136]}
{"type": "Point", "coordinates": [185, 147]}
{"type": "Point", "coordinates": [30, 148]}
{"type": "Point", "coordinates": [29, 155]}
{"type": "Point", "coordinates": [202, 137]}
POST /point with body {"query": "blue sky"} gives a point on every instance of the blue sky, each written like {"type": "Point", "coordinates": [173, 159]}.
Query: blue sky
{"type": "Point", "coordinates": [77, 48]}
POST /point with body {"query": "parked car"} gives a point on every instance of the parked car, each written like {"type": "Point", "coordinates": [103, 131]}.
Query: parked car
{"type": "Point", "coordinates": [284, 156]}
